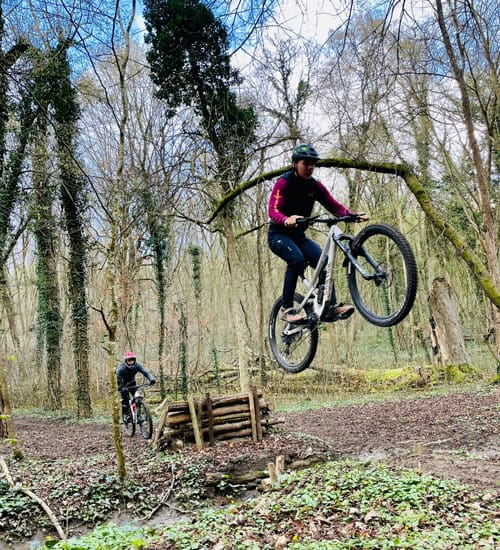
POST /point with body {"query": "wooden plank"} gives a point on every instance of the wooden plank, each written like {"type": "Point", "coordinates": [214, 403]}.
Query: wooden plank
{"type": "Point", "coordinates": [210, 420]}
{"type": "Point", "coordinates": [228, 400]}
{"type": "Point", "coordinates": [194, 422]}
{"type": "Point", "coordinates": [251, 405]}
{"type": "Point", "coordinates": [233, 435]}
{"type": "Point", "coordinates": [161, 425]}
{"type": "Point", "coordinates": [199, 416]}
{"type": "Point", "coordinates": [258, 423]}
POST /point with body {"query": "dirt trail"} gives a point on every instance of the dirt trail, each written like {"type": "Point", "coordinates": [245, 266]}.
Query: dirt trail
{"type": "Point", "coordinates": [455, 436]}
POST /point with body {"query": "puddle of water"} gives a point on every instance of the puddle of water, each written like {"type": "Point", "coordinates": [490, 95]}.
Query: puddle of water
{"type": "Point", "coordinates": [372, 455]}
{"type": "Point", "coordinates": [163, 517]}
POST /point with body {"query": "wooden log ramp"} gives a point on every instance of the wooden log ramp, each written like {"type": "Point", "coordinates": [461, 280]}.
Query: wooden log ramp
{"type": "Point", "coordinates": [213, 418]}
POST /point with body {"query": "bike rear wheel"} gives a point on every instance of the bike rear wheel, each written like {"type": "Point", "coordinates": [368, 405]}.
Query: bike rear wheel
{"type": "Point", "coordinates": [388, 296]}
{"type": "Point", "coordinates": [128, 425]}
{"type": "Point", "coordinates": [144, 420]}
{"type": "Point", "coordinates": [293, 345]}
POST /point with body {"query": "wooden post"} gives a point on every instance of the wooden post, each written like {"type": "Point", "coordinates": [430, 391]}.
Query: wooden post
{"type": "Point", "coordinates": [161, 425]}
{"type": "Point", "coordinates": [194, 422]}
{"type": "Point", "coordinates": [199, 416]}
{"type": "Point", "coordinates": [280, 465]}
{"type": "Point", "coordinates": [258, 421]}
{"type": "Point", "coordinates": [253, 422]}
{"type": "Point", "coordinates": [272, 473]}
{"type": "Point", "coordinates": [210, 419]}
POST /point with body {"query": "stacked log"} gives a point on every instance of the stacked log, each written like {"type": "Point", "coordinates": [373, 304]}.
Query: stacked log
{"type": "Point", "coordinates": [215, 418]}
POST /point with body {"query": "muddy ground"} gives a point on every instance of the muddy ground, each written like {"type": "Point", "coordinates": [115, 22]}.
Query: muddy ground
{"type": "Point", "coordinates": [456, 436]}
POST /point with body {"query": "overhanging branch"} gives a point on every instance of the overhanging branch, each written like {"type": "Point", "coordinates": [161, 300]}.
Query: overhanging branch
{"type": "Point", "coordinates": [381, 168]}
{"type": "Point", "coordinates": [477, 267]}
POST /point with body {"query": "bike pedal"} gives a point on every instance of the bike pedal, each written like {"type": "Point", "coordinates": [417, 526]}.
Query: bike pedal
{"type": "Point", "coordinates": [345, 315]}
{"type": "Point", "coordinates": [329, 315]}
{"type": "Point", "coordinates": [304, 321]}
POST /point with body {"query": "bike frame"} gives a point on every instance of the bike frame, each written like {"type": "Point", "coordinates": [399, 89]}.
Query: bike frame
{"type": "Point", "coordinates": [134, 400]}
{"type": "Point", "coordinates": [336, 239]}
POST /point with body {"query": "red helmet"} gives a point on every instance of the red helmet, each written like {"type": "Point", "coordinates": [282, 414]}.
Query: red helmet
{"type": "Point", "coordinates": [129, 355]}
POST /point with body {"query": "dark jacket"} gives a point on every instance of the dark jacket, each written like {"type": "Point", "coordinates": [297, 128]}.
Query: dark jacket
{"type": "Point", "coordinates": [125, 376]}
{"type": "Point", "coordinates": [295, 195]}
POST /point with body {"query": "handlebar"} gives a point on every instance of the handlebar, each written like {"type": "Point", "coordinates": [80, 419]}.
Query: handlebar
{"type": "Point", "coordinates": [134, 388]}
{"type": "Point", "coordinates": [306, 222]}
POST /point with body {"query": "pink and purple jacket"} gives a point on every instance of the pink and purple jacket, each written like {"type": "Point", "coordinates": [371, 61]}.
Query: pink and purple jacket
{"type": "Point", "coordinates": [292, 194]}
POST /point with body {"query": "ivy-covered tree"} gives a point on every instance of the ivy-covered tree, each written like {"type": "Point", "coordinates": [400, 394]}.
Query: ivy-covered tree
{"type": "Point", "coordinates": [190, 64]}
{"type": "Point", "coordinates": [11, 161]}
{"type": "Point", "coordinates": [13, 152]}
{"type": "Point", "coordinates": [159, 231]}
{"type": "Point", "coordinates": [72, 193]}
{"type": "Point", "coordinates": [49, 332]}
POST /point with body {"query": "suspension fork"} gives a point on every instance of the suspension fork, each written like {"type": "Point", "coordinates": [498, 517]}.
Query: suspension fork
{"type": "Point", "coordinates": [351, 262]}
{"type": "Point", "coordinates": [133, 409]}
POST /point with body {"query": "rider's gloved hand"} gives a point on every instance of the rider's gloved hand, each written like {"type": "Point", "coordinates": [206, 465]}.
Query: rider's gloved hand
{"type": "Point", "coordinates": [293, 221]}
{"type": "Point", "coordinates": [362, 217]}
{"type": "Point", "coordinates": [152, 382]}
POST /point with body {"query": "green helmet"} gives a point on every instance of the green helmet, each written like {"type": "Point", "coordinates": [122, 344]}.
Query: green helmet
{"type": "Point", "coordinates": [304, 151]}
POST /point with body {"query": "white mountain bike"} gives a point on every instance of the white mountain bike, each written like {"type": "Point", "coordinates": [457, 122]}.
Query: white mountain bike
{"type": "Point", "coordinates": [382, 279]}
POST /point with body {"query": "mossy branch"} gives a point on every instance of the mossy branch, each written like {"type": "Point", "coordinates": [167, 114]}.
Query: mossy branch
{"type": "Point", "coordinates": [381, 168]}
{"type": "Point", "coordinates": [477, 267]}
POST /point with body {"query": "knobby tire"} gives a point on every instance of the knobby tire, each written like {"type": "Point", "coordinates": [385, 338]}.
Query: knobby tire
{"type": "Point", "coordinates": [144, 420]}
{"type": "Point", "coordinates": [294, 353]}
{"type": "Point", "coordinates": [386, 300]}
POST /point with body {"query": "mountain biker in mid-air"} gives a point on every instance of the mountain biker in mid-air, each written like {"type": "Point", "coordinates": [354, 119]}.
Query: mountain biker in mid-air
{"type": "Point", "coordinates": [293, 197]}
{"type": "Point", "coordinates": [125, 378]}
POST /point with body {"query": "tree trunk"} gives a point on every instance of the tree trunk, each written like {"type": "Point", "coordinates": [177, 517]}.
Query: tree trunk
{"type": "Point", "coordinates": [10, 312]}
{"type": "Point", "coordinates": [235, 302]}
{"type": "Point", "coordinates": [49, 310]}
{"type": "Point", "coordinates": [262, 313]}
{"type": "Point", "coordinates": [7, 427]}
{"type": "Point", "coordinates": [447, 330]}
{"type": "Point", "coordinates": [183, 347]}
{"type": "Point", "coordinates": [71, 191]}
{"type": "Point", "coordinates": [113, 250]}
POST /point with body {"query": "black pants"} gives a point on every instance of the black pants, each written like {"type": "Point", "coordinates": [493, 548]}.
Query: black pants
{"type": "Point", "coordinates": [297, 251]}
{"type": "Point", "coordinates": [126, 394]}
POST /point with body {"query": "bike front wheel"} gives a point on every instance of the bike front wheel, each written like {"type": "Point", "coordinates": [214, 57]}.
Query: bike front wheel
{"type": "Point", "coordinates": [144, 420]}
{"type": "Point", "coordinates": [129, 425]}
{"type": "Point", "coordinates": [293, 345]}
{"type": "Point", "coordinates": [386, 297]}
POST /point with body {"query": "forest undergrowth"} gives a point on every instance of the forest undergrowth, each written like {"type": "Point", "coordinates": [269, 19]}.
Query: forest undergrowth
{"type": "Point", "coordinates": [368, 489]}
{"type": "Point", "coordinates": [337, 505]}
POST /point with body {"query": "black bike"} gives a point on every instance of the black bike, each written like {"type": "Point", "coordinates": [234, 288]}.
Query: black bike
{"type": "Point", "coordinates": [138, 415]}
{"type": "Point", "coordinates": [382, 279]}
